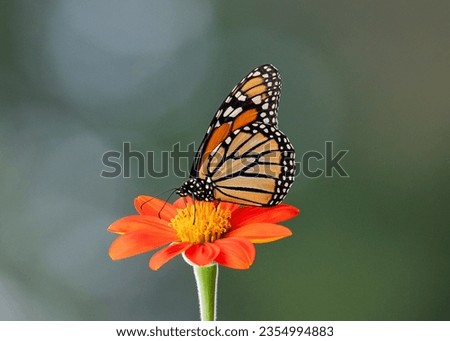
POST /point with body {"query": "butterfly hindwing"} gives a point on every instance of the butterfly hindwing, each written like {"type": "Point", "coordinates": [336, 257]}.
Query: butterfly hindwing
{"type": "Point", "coordinates": [255, 166]}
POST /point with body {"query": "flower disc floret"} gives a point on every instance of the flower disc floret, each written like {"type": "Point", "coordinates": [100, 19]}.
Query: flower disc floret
{"type": "Point", "coordinates": [202, 222]}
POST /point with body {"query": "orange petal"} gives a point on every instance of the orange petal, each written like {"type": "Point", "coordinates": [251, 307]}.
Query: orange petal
{"type": "Point", "coordinates": [250, 214]}
{"type": "Point", "coordinates": [137, 222]}
{"type": "Point", "coordinates": [155, 207]}
{"type": "Point", "coordinates": [236, 253]}
{"type": "Point", "coordinates": [228, 205]}
{"type": "Point", "coordinates": [202, 254]}
{"type": "Point", "coordinates": [260, 232]}
{"type": "Point", "coordinates": [163, 256]}
{"type": "Point", "coordinates": [137, 242]}
{"type": "Point", "coordinates": [181, 202]}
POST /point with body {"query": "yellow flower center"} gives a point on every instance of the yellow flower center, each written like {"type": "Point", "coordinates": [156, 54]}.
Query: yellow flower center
{"type": "Point", "coordinates": [201, 223]}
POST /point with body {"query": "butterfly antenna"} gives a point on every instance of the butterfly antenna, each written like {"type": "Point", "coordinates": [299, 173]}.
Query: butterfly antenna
{"type": "Point", "coordinates": [166, 201]}
{"type": "Point", "coordinates": [156, 196]}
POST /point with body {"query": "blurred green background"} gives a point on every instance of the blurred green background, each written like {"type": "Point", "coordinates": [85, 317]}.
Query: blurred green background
{"type": "Point", "coordinates": [78, 78]}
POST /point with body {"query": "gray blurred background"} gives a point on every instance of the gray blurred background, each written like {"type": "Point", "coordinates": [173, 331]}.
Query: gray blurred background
{"type": "Point", "coordinates": [79, 78]}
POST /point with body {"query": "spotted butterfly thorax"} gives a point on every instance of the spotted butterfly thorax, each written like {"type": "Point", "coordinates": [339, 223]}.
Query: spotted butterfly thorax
{"type": "Point", "coordinates": [244, 158]}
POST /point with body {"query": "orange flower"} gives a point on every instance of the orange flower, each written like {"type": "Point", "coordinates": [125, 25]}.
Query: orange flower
{"type": "Point", "coordinates": [205, 232]}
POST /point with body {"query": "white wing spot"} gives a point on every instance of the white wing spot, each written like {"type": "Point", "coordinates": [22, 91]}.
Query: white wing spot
{"type": "Point", "coordinates": [257, 99]}
{"type": "Point", "coordinates": [228, 111]}
{"type": "Point", "coordinates": [236, 112]}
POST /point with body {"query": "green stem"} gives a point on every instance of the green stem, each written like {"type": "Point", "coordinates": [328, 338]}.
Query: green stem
{"type": "Point", "coordinates": [206, 278]}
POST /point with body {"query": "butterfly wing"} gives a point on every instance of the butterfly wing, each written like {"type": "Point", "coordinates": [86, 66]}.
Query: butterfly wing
{"type": "Point", "coordinates": [255, 166]}
{"type": "Point", "coordinates": [254, 98]}
{"type": "Point", "coordinates": [249, 160]}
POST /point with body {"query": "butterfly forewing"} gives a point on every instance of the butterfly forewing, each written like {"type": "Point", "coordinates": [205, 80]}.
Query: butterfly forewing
{"type": "Point", "coordinates": [254, 98]}
{"type": "Point", "coordinates": [244, 158]}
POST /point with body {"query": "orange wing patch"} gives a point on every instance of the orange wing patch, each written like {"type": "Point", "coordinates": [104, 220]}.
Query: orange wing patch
{"type": "Point", "coordinates": [238, 196]}
{"type": "Point", "coordinates": [222, 132]}
{"type": "Point", "coordinates": [244, 119]}
{"type": "Point", "coordinates": [217, 136]}
{"type": "Point", "coordinates": [257, 90]}
{"type": "Point", "coordinates": [254, 87]}
{"type": "Point", "coordinates": [252, 82]}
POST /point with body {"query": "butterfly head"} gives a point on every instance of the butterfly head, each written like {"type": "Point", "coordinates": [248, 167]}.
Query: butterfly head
{"type": "Point", "coordinates": [198, 189]}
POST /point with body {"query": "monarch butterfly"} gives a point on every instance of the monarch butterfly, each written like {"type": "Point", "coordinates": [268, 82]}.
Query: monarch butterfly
{"type": "Point", "coordinates": [244, 158]}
